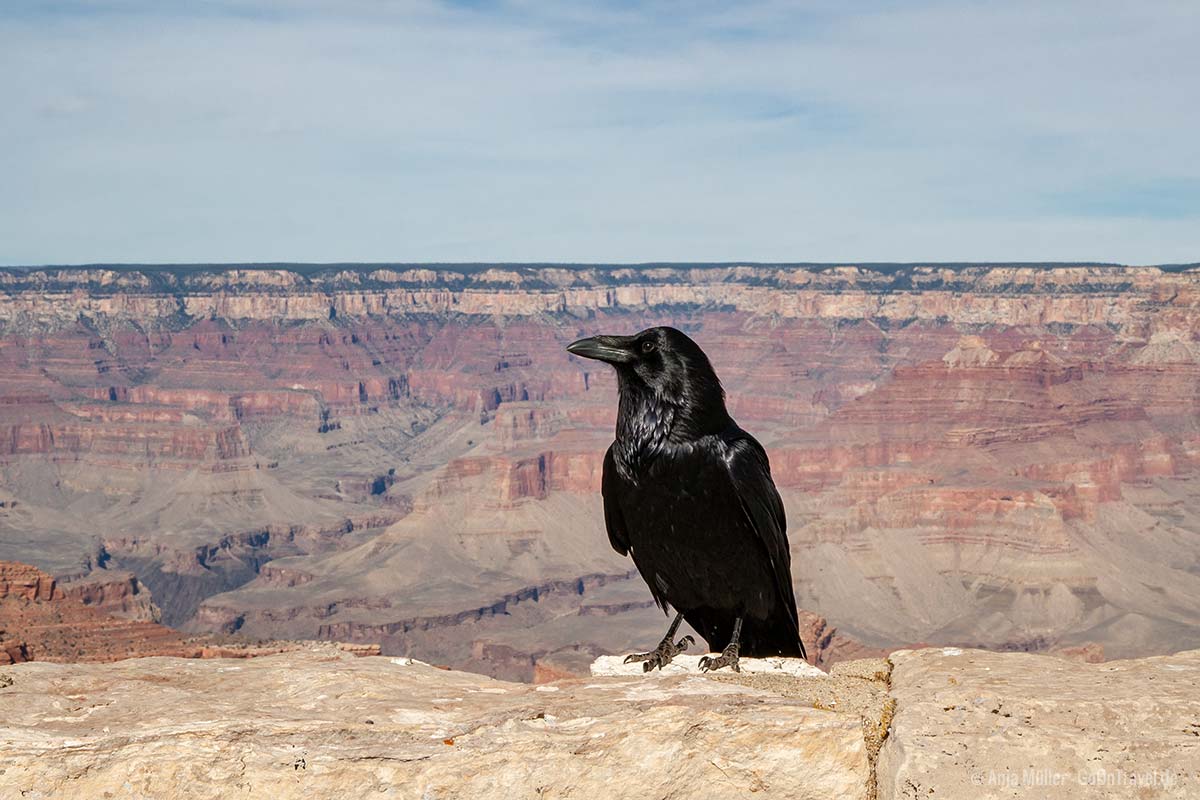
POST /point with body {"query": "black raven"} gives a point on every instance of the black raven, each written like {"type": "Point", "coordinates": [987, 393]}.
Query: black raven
{"type": "Point", "coordinates": [688, 494]}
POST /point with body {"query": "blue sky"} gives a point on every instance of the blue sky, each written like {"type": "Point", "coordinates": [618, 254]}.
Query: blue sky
{"type": "Point", "coordinates": [356, 130]}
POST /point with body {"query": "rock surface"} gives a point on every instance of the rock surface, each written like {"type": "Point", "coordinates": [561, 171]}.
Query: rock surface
{"type": "Point", "coordinates": [684, 664]}
{"type": "Point", "coordinates": [975, 724]}
{"type": "Point", "coordinates": [322, 724]}
{"type": "Point", "coordinates": [317, 722]}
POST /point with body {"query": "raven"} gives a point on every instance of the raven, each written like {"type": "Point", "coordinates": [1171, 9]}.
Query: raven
{"type": "Point", "coordinates": [688, 494]}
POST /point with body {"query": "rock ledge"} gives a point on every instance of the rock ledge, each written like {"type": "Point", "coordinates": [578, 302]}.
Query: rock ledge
{"type": "Point", "coordinates": [323, 724]}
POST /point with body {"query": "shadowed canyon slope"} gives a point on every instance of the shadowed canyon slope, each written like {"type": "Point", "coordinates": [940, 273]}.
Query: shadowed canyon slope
{"type": "Point", "coordinates": [1005, 457]}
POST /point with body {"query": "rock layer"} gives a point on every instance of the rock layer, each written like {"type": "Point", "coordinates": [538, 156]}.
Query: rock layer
{"type": "Point", "coordinates": [319, 724]}
{"type": "Point", "coordinates": [40, 621]}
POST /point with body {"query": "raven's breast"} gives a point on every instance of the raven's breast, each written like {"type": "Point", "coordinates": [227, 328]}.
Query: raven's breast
{"type": "Point", "coordinates": [693, 544]}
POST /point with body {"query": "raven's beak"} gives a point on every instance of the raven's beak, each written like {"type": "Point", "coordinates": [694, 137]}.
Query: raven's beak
{"type": "Point", "coordinates": [612, 349]}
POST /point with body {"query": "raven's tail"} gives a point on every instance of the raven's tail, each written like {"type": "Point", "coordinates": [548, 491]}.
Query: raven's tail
{"type": "Point", "coordinates": [776, 636]}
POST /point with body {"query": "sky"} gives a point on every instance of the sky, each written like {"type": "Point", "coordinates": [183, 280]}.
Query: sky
{"type": "Point", "coordinates": [607, 132]}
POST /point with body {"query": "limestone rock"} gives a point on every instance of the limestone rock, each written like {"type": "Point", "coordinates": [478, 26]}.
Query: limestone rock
{"type": "Point", "coordinates": [684, 664]}
{"type": "Point", "coordinates": [320, 723]}
{"type": "Point", "coordinates": [971, 724]}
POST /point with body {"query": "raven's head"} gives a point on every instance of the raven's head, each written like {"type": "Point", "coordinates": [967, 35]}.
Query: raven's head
{"type": "Point", "coordinates": [663, 367]}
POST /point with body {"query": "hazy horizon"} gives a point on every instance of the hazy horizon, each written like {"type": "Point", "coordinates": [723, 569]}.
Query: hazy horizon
{"type": "Point", "coordinates": [477, 265]}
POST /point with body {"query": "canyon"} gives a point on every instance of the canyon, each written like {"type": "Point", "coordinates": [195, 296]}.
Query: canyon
{"type": "Point", "coordinates": [996, 456]}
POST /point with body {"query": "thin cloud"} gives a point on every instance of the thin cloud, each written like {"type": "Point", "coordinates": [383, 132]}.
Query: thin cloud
{"type": "Point", "coordinates": [323, 130]}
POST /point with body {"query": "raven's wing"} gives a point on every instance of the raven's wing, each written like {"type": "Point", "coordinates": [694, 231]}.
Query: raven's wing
{"type": "Point", "coordinates": [614, 520]}
{"type": "Point", "coordinates": [751, 474]}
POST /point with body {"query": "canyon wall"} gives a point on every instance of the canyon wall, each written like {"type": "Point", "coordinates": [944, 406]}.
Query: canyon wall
{"type": "Point", "coordinates": [40, 620]}
{"type": "Point", "coordinates": [1004, 456]}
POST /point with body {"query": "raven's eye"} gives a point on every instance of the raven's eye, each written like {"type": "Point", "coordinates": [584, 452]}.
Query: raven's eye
{"type": "Point", "coordinates": [647, 346]}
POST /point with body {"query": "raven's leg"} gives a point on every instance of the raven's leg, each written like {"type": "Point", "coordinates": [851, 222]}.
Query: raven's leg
{"type": "Point", "coordinates": [729, 656]}
{"type": "Point", "coordinates": [666, 650]}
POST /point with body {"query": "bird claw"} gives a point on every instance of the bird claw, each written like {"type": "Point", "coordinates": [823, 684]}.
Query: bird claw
{"type": "Point", "coordinates": [660, 656]}
{"type": "Point", "coordinates": [728, 658]}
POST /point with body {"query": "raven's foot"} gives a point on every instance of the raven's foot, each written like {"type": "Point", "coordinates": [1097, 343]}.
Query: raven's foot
{"type": "Point", "coordinates": [728, 658]}
{"type": "Point", "coordinates": [660, 656]}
